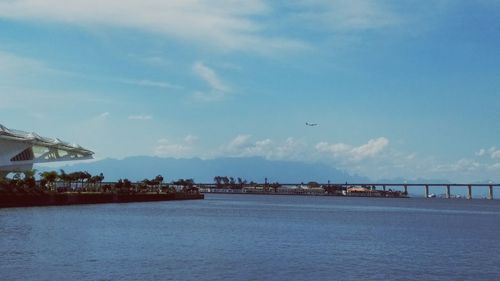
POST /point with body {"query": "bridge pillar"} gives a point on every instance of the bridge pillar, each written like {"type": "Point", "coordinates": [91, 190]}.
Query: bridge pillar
{"type": "Point", "coordinates": [469, 192]}
{"type": "Point", "coordinates": [490, 193]}
{"type": "Point", "coordinates": [383, 187]}
{"type": "Point", "coordinates": [426, 191]}
{"type": "Point", "coordinates": [448, 193]}
{"type": "Point", "coordinates": [406, 189]}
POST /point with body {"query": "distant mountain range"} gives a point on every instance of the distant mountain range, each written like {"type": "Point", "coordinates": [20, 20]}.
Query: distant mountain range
{"type": "Point", "coordinates": [249, 168]}
{"type": "Point", "coordinates": [203, 171]}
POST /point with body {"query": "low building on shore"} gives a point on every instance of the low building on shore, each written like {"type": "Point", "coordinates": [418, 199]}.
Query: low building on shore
{"type": "Point", "coordinates": [361, 191]}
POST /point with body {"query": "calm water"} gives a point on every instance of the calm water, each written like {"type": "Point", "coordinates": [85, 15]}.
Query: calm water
{"type": "Point", "coordinates": [248, 237]}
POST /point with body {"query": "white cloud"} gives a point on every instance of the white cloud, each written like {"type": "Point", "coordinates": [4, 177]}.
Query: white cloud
{"type": "Point", "coordinates": [294, 149]}
{"type": "Point", "coordinates": [104, 115]}
{"type": "Point", "coordinates": [208, 75]}
{"type": "Point", "coordinates": [244, 146]}
{"type": "Point", "coordinates": [481, 152]}
{"type": "Point", "coordinates": [225, 24]}
{"type": "Point", "coordinates": [140, 117]}
{"type": "Point", "coordinates": [373, 159]}
{"type": "Point", "coordinates": [239, 143]}
{"type": "Point", "coordinates": [462, 165]}
{"type": "Point", "coordinates": [217, 88]}
{"type": "Point", "coordinates": [13, 64]}
{"type": "Point", "coordinates": [167, 148]}
{"type": "Point", "coordinates": [411, 156]}
{"type": "Point", "coordinates": [151, 83]}
{"type": "Point", "coordinates": [347, 15]}
{"type": "Point", "coordinates": [354, 153]}
{"type": "Point", "coordinates": [495, 166]}
{"type": "Point", "coordinates": [171, 150]}
{"type": "Point", "coordinates": [494, 153]}
{"type": "Point", "coordinates": [291, 149]}
{"type": "Point", "coordinates": [190, 139]}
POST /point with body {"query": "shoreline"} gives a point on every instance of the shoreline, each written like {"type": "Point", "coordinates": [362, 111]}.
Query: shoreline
{"type": "Point", "coordinates": [374, 195]}
{"type": "Point", "coordinates": [83, 198]}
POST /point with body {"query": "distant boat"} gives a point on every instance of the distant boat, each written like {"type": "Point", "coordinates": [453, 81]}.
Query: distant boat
{"type": "Point", "coordinates": [432, 195]}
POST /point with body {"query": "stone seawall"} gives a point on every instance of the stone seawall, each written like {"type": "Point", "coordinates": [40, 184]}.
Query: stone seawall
{"type": "Point", "coordinates": [74, 198]}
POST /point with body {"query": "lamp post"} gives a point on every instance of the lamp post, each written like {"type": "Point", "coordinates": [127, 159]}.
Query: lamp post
{"type": "Point", "coordinates": [490, 191]}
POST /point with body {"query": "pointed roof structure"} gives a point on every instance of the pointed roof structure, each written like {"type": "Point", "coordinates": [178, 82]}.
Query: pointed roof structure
{"type": "Point", "coordinates": [19, 150]}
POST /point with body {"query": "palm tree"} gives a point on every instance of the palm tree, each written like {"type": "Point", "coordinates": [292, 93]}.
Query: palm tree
{"type": "Point", "coordinates": [86, 176]}
{"type": "Point", "coordinates": [94, 180]}
{"type": "Point", "coordinates": [63, 177]}
{"type": "Point", "coordinates": [73, 177]}
{"type": "Point", "coordinates": [127, 185]}
{"type": "Point", "coordinates": [101, 178]}
{"type": "Point", "coordinates": [159, 179]}
{"type": "Point", "coordinates": [29, 178]}
{"type": "Point", "coordinates": [49, 178]}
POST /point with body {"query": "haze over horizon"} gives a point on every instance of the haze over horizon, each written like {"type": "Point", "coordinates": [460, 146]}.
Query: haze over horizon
{"type": "Point", "coordinates": [400, 89]}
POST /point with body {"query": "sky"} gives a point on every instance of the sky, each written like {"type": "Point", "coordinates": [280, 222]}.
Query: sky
{"type": "Point", "coordinates": [407, 89]}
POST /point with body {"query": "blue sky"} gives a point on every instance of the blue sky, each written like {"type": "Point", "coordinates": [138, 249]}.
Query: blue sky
{"type": "Point", "coordinates": [400, 88]}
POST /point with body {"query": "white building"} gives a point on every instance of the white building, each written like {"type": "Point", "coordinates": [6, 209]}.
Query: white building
{"type": "Point", "coordinates": [20, 150]}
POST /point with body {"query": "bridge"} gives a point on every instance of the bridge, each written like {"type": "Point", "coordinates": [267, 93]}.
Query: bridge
{"type": "Point", "coordinates": [426, 186]}
{"type": "Point", "coordinates": [386, 186]}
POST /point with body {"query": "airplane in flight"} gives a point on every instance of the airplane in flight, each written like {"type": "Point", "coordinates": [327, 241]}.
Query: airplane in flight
{"type": "Point", "coordinates": [311, 124]}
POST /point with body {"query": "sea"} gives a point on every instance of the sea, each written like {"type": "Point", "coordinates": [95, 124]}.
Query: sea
{"type": "Point", "coordinates": [255, 237]}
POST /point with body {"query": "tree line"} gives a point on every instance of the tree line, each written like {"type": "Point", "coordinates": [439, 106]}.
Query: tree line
{"type": "Point", "coordinates": [239, 183]}
{"type": "Point", "coordinates": [83, 181]}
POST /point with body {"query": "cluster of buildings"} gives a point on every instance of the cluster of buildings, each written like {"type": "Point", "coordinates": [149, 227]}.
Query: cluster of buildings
{"type": "Point", "coordinates": [300, 189]}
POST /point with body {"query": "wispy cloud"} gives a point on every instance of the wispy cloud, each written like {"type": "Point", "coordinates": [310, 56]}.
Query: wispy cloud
{"type": "Point", "coordinates": [224, 24]}
{"type": "Point", "coordinates": [12, 64]}
{"type": "Point", "coordinates": [460, 165]}
{"type": "Point", "coordinates": [209, 76]}
{"type": "Point", "coordinates": [151, 83]}
{"type": "Point", "coordinates": [217, 88]}
{"type": "Point", "coordinates": [104, 115]}
{"type": "Point", "coordinates": [140, 117]}
{"type": "Point", "coordinates": [495, 167]}
{"type": "Point", "coordinates": [344, 15]}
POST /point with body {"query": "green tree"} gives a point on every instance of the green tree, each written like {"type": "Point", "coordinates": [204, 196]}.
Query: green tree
{"type": "Point", "coordinates": [159, 179]}
{"type": "Point", "coordinates": [50, 178]}
{"type": "Point", "coordinates": [64, 177]}
{"type": "Point", "coordinates": [101, 178]}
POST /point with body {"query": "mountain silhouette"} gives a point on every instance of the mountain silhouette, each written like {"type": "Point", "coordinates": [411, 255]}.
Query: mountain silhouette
{"type": "Point", "coordinates": [203, 171]}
